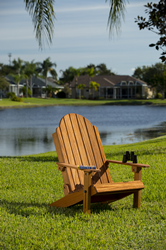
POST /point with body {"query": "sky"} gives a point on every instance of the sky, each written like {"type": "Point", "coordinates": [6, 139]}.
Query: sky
{"type": "Point", "coordinates": [81, 36]}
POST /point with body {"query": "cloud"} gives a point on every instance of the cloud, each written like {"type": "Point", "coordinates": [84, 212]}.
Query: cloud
{"type": "Point", "coordinates": [82, 8]}
{"type": "Point", "coordinates": [12, 12]}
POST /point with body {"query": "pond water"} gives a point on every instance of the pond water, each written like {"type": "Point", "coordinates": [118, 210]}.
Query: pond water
{"type": "Point", "coordinates": [29, 131]}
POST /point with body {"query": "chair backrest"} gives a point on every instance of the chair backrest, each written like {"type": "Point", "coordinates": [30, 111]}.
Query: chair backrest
{"type": "Point", "coordinates": [78, 142]}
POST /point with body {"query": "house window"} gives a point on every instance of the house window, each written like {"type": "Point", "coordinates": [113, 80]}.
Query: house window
{"type": "Point", "coordinates": [130, 83]}
{"type": "Point", "coordinates": [110, 91]}
{"type": "Point", "coordinates": [123, 83]}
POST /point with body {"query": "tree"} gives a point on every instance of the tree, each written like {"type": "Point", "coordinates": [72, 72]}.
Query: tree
{"type": "Point", "coordinates": [25, 92]}
{"type": "Point", "coordinates": [102, 70]}
{"type": "Point", "coordinates": [156, 23]}
{"type": "Point", "coordinates": [67, 91]}
{"type": "Point", "coordinates": [18, 67]}
{"type": "Point", "coordinates": [45, 67]}
{"type": "Point", "coordinates": [30, 70]}
{"type": "Point", "coordinates": [6, 69]}
{"type": "Point", "coordinates": [17, 78]}
{"type": "Point", "coordinates": [154, 75]}
{"type": "Point", "coordinates": [94, 86]}
{"type": "Point", "coordinates": [142, 73]}
{"type": "Point", "coordinates": [43, 16]}
{"type": "Point", "coordinates": [80, 87]}
{"type": "Point", "coordinates": [116, 14]}
{"type": "Point", "coordinates": [3, 83]}
{"type": "Point", "coordinates": [50, 90]}
{"type": "Point", "coordinates": [159, 78]}
{"type": "Point", "coordinates": [67, 75]}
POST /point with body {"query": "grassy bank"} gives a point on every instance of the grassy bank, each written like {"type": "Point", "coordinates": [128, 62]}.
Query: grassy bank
{"type": "Point", "coordinates": [33, 102]}
{"type": "Point", "coordinates": [29, 184]}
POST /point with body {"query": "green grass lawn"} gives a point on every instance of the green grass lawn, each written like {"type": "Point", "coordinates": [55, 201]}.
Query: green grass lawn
{"type": "Point", "coordinates": [29, 184]}
{"type": "Point", "coordinates": [28, 102]}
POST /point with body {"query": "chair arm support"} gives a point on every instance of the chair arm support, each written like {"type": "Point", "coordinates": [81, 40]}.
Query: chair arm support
{"type": "Point", "coordinates": [64, 165]}
{"type": "Point", "coordinates": [129, 164]}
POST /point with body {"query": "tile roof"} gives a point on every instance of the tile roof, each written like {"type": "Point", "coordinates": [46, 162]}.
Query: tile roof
{"type": "Point", "coordinates": [36, 81]}
{"type": "Point", "coordinates": [105, 80]}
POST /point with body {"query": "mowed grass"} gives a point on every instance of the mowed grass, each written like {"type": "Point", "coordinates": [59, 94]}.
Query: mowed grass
{"type": "Point", "coordinates": [32, 102]}
{"type": "Point", "coordinates": [30, 183]}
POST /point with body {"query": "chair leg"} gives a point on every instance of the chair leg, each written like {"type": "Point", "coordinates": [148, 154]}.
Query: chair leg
{"type": "Point", "coordinates": [137, 194]}
{"type": "Point", "coordinates": [87, 194]}
{"type": "Point", "coordinates": [137, 199]}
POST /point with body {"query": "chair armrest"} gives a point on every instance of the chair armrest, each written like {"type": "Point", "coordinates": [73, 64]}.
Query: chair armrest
{"type": "Point", "coordinates": [129, 164]}
{"type": "Point", "coordinates": [77, 167]}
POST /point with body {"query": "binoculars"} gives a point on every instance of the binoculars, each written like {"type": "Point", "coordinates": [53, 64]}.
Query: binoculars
{"type": "Point", "coordinates": [129, 157]}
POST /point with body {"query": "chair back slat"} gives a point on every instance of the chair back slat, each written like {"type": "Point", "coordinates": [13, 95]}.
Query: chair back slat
{"type": "Point", "coordinates": [80, 144]}
{"type": "Point", "coordinates": [65, 158]}
{"type": "Point", "coordinates": [69, 152]}
{"type": "Point", "coordinates": [102, 154]}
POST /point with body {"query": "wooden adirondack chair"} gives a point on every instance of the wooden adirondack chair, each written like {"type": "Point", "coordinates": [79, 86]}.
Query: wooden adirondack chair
{"type": "Point", "coordinates": [78, 142]}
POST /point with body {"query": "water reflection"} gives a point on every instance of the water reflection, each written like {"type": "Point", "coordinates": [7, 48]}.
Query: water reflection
{"type": "Point", "coordinates": [26, 141]}
{"type": "Point", "coordinates": [156, 131]}
{"type": "Point", "coordinates": [29, 131]}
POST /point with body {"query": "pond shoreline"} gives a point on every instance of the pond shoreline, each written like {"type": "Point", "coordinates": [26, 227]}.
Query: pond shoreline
{"type": "Point", "coordinates": [83, 104]}
{"type": "Point", "coordinates": [26, 131]}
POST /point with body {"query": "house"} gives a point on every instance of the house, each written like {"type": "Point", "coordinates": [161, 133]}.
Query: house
{"type": "Point", "coordinates": [38, 85]}
{"type": "Point", "coordinates": [13, 85]}
{"type": "Point", "coordinates": [111, 87]}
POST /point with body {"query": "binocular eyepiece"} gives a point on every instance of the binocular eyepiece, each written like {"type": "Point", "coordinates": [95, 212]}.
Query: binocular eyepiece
{"type": "Point", "coordinates": [129, 157]}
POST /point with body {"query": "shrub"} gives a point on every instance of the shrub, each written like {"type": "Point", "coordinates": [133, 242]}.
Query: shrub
{"type": "Point", "coordinates": [17, 99]}
{"type": "Point", "coordinates": [138, 96]}
{"type": "Point", "coordinates": [159, 96]}
{"type": "Point", "coordinates": [67, 91]}
{"type": "Point", "coordinates": [61, 94]}
{"type": "Point", "coordinates": [10, 95]}
{"type": "Point", "coordinates": [23, 89]}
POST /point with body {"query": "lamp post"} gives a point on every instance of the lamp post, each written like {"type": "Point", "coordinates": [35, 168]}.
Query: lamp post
{"type": "Point", "coordinates": [10, 55]}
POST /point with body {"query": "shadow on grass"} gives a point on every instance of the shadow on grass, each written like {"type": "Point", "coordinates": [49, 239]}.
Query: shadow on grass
{"type": "Point", "coordinates": [26, 209]}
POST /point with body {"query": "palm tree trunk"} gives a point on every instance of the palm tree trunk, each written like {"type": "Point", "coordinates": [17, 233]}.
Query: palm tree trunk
{"type": "Point", "coordinates": [163, 93]}
{"type": "Point", "coordinates": [18, 89]}
{"type": "Point", "coordinates": [31, 85]}
{"type": "Point", "coordinates": [26, 88]}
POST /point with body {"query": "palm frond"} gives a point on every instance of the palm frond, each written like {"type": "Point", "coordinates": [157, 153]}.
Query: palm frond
{"type": "Point", "coordinates": [116, 15]}
{"type": "Point", "coordinates": [42, 13]}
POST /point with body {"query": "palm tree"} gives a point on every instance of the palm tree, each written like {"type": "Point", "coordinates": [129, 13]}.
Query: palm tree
{"type": "Point", "coordinates": [91, 72]}
{"type": "Point", "coordinates": [45, 67]}
{"type": "Point", "coordinates": [18, 67]}
{"type": "Point", "coordinates": [116, 14]}
{"type": "Point", "coordinates": [94, 86]}
{"type": "Point", "coordinates": [43, 16]}
{"type": "Point", "coordinates": [69, 74]}
{"type": "Point", "coordinates": [17, 78]}
{"type": "Point", "coordinates": [80, 87]}
{"type": "Point", "coordinates": [30, 70]}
